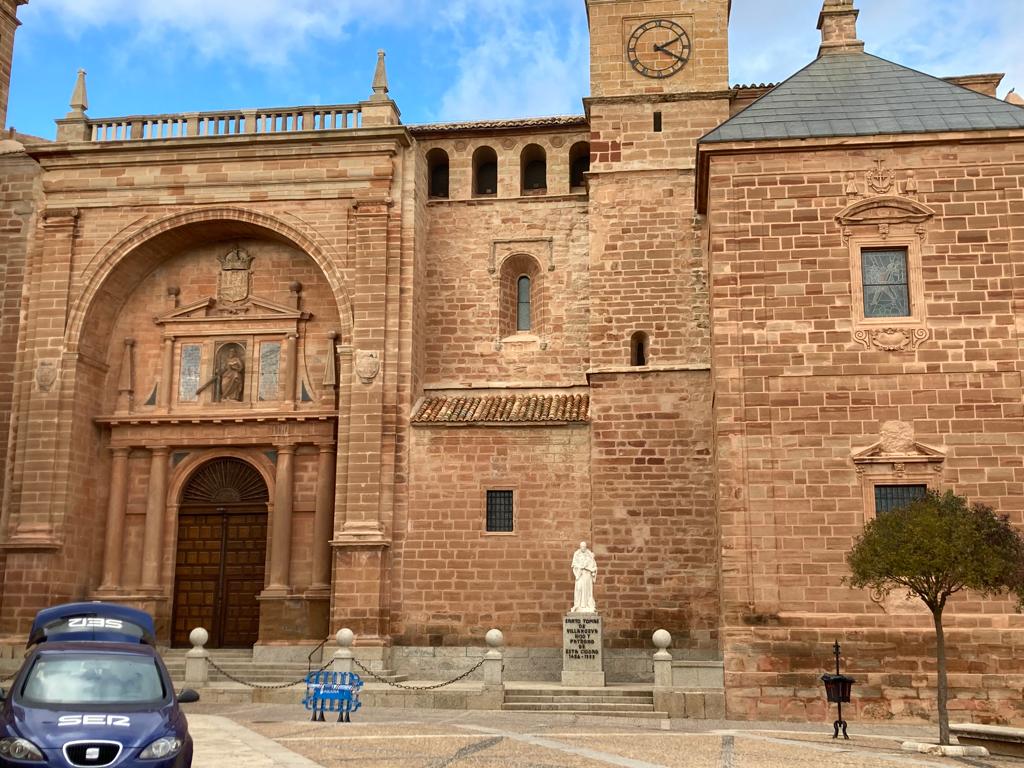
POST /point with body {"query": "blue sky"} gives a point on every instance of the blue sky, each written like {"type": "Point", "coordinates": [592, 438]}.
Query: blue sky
{"type": "Point", "coordinates": [447, 59]}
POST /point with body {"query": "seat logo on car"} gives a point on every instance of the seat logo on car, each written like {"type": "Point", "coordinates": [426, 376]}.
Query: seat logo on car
{"type": "Point", "coordinates": [116, 721]}
{"type": "Point", "coordinates": [91, 622]}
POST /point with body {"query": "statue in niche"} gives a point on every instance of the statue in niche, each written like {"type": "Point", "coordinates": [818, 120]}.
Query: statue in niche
{"type": "Point", "coordinates": [584, 568]}
{"type": "Point", "coordinates": [228, 380]}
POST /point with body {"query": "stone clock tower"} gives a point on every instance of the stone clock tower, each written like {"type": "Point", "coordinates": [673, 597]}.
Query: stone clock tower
{"type": "Point", "coordinates": [659, 81]}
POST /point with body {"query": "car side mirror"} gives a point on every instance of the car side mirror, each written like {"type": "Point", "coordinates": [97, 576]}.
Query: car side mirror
{"type": "Point", "coordinates": [188, 696]}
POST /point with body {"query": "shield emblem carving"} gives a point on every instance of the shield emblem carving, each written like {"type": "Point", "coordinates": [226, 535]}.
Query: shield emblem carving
{"type": "Point", "coordinates": [367, 365]}
{"type": "Point", "coordinates": [233, 285]}
{"type": "Point", "coordinates": [46, 375]}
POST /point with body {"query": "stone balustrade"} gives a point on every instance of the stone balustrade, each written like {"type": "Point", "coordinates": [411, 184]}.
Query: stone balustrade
{"type": "Point", "coordinates": [230, 123]}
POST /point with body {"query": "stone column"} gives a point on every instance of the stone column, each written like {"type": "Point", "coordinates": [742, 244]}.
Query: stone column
{"type": "Point", "coordinates": [166, 388]}
{"type": "Point", "coordinates": [281, 525]}
{"type": "Point", "coordinates": [323, 520]}
{"type": "Point", "coordinates": [156, 509]}
{"type": "Point", "coordinates": [113, 545]}
{"type": "Point", "coordinates": [291, 367]}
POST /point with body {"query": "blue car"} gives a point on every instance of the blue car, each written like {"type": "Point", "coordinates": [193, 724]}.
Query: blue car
{"type": "Point", "coordinates": [93, 692]}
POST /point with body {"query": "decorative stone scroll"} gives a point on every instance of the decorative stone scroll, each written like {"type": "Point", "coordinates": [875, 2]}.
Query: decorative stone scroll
{"type": "Point", "coordinates": [892, 339]}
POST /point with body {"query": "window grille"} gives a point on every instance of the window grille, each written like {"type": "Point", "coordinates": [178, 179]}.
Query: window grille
{"type": "Point", "coordinates": [885, 282]}
{"type": "Point", "coordinates": [499, 512]}
{"type": "Point", "coordinates": [890, 497]}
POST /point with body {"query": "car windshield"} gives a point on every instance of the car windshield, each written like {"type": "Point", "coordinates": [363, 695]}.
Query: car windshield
{"type": "Point", "coordinates": [78, 678]}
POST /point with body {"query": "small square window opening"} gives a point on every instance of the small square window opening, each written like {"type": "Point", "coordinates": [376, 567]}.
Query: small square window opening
{"type": "Point", "coordinates": [499, 512]}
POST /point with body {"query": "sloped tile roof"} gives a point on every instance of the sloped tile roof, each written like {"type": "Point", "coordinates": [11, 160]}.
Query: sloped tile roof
{"type": "Point", "coordinates": [491, 409]}
{"type": "Point", "coordinates": [857, 94]}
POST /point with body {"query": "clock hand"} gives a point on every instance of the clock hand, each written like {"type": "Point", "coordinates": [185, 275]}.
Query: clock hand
{"type": "Point", "coordinates": [673, 54]}
{"type": "Point", "coordinates": [665, 46]}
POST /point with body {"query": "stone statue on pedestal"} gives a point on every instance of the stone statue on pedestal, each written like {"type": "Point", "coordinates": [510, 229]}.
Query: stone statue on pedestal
{"type": "Point", "coordinates": [584, 568]}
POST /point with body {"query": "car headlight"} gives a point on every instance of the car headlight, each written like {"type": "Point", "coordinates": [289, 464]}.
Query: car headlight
{"type": "Point", "coordinates": [20, 749]}
{"type": "Point", "coordinates": [168, 746]}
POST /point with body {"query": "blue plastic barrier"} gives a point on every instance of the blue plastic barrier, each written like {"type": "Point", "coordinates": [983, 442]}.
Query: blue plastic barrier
{"type": "Point", "coordinates": [332, 692]}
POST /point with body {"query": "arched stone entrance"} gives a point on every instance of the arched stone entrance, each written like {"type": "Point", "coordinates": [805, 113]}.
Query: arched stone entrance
{"type": "Point", "coordinates": [221, 554]}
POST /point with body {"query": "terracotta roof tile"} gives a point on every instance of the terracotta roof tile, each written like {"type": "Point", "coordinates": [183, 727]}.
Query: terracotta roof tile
{"type": "Point", "coordinates": [494, 409]}
{"type": "Point", "coordinates": [558, 121]}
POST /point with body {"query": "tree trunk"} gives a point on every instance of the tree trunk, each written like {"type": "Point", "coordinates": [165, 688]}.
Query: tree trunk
{"type": "Point", "coordinates": [940, 653]}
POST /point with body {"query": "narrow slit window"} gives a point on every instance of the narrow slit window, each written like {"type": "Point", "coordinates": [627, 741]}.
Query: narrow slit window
{"type": "Point", "coordinates": [523, 304]}
{"type": "Point", "coordinates": [639, 349]}
{"type": "Point", "coordinates": [500, 512]}
{"type": "Point", "coordinates": [885, 282]}
{"type": "Point", "coordinates": [657, 122]}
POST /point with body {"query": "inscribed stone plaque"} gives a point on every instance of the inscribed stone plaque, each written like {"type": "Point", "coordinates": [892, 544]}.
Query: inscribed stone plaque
{"type": "Point", "coordinates": [582, 655]}
{"type": "Point", "coordinates": [188, 378]}
{"type": "Point", "coordinates": [270, 370]}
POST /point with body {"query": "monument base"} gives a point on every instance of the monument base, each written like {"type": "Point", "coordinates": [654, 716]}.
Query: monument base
{"type": "Point", "coordinates": [582, 650]}
{"type": "Point", "coordinates": [583, 679]}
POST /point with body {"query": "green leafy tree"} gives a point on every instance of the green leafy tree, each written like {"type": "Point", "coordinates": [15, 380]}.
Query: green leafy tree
{"type": "Point", "coordinates": [934, 547]}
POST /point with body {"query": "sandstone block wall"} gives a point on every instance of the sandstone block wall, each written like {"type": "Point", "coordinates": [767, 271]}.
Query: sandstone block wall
{"type": "Point", "coordinates": [798, 395]}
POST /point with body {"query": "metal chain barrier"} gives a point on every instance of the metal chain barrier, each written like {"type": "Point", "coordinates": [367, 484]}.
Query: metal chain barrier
{"type": "Point", "coordinates": [265, 686]}
{"type": "Point", "coordinates": [380, 679]}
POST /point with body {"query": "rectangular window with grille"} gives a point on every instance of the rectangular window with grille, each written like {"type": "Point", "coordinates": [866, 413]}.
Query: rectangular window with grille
{"type": "Point", "coordinates": [499, 512]}
{"type": "Point", "coordinates": [886, 282]}
{"type": "Point", "coordinates": [890, 497]}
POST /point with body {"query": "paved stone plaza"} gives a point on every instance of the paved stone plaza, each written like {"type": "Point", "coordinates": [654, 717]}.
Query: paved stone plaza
{"type": "Point", "coordinates": [262, 736]}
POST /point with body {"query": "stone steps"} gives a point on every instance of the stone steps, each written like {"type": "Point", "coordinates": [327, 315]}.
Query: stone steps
{"type": "Point", "coordinates": [615, 702]}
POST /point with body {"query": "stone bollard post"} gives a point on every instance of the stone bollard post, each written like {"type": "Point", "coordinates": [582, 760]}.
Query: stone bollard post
{"type": "Point", "coordinates": [342, 660]}
{"type": "Point", "coordinates": [197, 660]}
{"type": "Point", "coordinates": [494, 660]}
{"type": "Point", "coordinates": [662, 659]}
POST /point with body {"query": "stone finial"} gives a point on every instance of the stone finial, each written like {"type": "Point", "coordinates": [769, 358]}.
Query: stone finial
{"type": "Point", "coordinates": [79, 97]}
{"type": "Point", "coordinates": [380, 79]}
{"type": "Point", "coordinates": [838, 24]}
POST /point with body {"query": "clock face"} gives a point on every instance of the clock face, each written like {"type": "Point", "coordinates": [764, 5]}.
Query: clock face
{"type": "Point", "coordinates": [658, 48]}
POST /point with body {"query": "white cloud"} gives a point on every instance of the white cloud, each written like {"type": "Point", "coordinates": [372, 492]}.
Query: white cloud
{"type": "Point", "coordinates": [258, 32]}
{"type": "Point", "coordinates": [770, 41]}
{"type": "Point", "coordinates": [521, 64]}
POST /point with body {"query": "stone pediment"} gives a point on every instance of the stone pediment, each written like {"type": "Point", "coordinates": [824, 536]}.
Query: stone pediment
{"type": "Point", "coordinates": [888, 209]}
{"type": "Point", "coordinates": [253, 308]}
{"type": "Point", "coordinates": [914, 452]}
{"type": "Point", "coordinates": [898, 446]}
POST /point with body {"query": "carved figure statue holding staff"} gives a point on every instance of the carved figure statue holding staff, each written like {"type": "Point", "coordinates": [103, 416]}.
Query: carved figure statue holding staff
{"type": "Point", "coordinates": [584, 568]}
{"type": "Point", "coordinates": [229, 377]}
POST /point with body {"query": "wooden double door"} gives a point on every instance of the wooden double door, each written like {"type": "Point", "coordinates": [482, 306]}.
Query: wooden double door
{"type": "Point", "coordinates": [219, 573]}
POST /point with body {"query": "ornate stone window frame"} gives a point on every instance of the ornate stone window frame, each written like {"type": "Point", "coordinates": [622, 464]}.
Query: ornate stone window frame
{"type": "Point", "coordinates": [888, 222]}
{"type": "Point", "coordinates": [917, 464]}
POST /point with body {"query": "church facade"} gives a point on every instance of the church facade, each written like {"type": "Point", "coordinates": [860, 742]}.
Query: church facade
{"type": "Point", "coordinates": [278, 372]}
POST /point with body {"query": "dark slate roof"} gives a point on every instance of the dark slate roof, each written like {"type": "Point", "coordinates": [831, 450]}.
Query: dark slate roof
{"type": "Point", "coordinates": [857, 94]}
{"type": "Point", "coordinates": [529, 409]}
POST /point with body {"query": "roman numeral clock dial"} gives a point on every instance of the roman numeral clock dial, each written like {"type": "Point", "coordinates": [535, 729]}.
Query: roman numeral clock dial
{"type": "Point", "coordinates": [658, 48]}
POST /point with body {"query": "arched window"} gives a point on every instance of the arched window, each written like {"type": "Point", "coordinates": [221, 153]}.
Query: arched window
{"type": "Point", "coordinates": [639, 349]}
{"type": "Point", "coordinates": [523, 304]}
{"type": "Point", "coordinates": [437, 169]}
{"type": "Point", "coordinates": [579, 164]}
{"type": "Point", "coordinates": [534, 167]}
{"type": "Point", "coordinates": [485, 172]}
{"type": "Point", "coordinates": [520, 296]}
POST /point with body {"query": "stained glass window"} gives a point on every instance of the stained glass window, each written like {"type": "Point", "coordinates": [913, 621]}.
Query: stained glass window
{"type": "Point", "coordinates": [890, 497]}
{"type": "Point", "coordinates": [499, 512]}
{"type": "Point", "coordinates": [886, 289]}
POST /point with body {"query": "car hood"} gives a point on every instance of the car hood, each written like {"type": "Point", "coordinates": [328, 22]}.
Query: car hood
{"type": "Point", "coordinates": [53, 728]}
